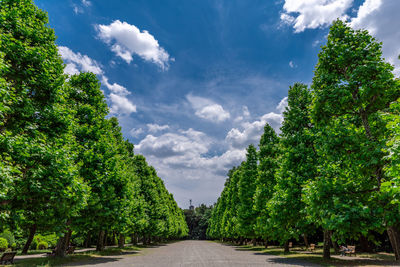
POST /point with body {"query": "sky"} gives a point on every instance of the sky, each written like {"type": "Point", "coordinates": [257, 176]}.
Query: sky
{"type": "Point", "coordinates": [193, 82]}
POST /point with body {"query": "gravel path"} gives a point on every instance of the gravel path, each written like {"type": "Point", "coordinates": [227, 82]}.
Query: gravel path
{"type": "Point", "coordinates": [194, 253]}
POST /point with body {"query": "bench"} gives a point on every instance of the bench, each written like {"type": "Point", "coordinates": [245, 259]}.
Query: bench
{"type": "Point", "coordinates": [8, 257]}
{"type": "Point", "coordinates": [312, 247]}
{"type": "Point", "coordinates": [350, 250]}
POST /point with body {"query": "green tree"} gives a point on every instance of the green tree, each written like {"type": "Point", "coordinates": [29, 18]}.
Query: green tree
{"type": "Point", "coordinates": [297, 167]}
{"type": "Point", "coordinates": [266, 180]}
{"type": "Point", "coordinates": [352, 87]}
{"type": "Point", "coordinates": [247, 188]}
{"type": "Point", "coordinates": [35, 134]}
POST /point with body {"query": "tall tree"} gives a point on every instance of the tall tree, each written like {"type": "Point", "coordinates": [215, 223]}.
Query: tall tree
{"type": "Point", "coordinates": [35, 133]}
{"type": "Point", "coordinates": [247, 189]}
{"type": "Point", "coordinates": [266, 180]}
{"type": "Point", "coordinates": [352, 86]}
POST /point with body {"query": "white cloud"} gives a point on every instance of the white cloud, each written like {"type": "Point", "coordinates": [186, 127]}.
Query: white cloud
{"type": "Point", "coordinates": [207, 109]}
{"type": "Point", "coordinates": [127, 40]}
{"type": "Point", "coordinates": [252, 131]}
{"type": "Point", "coordinates": [76, 62]}
{"type": "Point", "coordinates": [153, 128]}
{"type": "Point", "coordinates": [136, 132]}
{"type": "Point", "coordinates": [381, 19]}
{"type": "Point", "coordinates": [213, 113]}
{"type": "Point", "coordinates": [312, 14]}
{"type": "Point", "coordinates": [282, 105]}
{"type": "Point", "coordinates": [121, 105]}
{"type": "Point", "coordinates": [115, 88]}
{"type": "Point", "coordinates": [86, 3]}
{"type": "Point", "coordinates": [292, 64]}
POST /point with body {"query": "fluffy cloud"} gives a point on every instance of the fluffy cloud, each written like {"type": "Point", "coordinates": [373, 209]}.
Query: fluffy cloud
{"type": "Point", "coordinates": [313, 13]}
{"type": "Point", "coordinates": [86, 3]}
{"type": "Point", "coordinates": [172, 144]}
{"type": "Point", "coordinates": [381, 19]}
{"type": "Point", "coordinates": [136, 132]}
{"type": "Point", "coordinates": [121, 105]}
{"type": "Point", "coordinates": [115, 88]}
{"type": "Point", "coordinates": [77, 62]}
{"type": "Point", "coordinates": [207, 109]}
{"type": "Point", "coordinates": [251, 131]}
{"type": "Point", "coordinates": [183, 158]}
{"type": "Point", "coordinates": [153, 128]}
{"type": "Point", "coordinates": [127, 40]}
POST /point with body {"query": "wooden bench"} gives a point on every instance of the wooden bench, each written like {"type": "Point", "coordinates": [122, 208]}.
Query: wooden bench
{"type": "Point", "coordinates": [312, 247]}
{"type": "Point", "coordinates": [8, 257]}
{"type": "Point", "coordinates": [350, 250]}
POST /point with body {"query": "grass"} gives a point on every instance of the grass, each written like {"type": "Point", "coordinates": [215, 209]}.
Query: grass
{"type": "Point", "coordinates": [76, 257]}
{"type": "Point", "coordinates": [297, 253]}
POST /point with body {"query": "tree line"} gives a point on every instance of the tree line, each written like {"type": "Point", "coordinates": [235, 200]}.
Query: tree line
{"type": "Point", "coordinates": [335, 164]}
{"type": "Point", "coordinates": [65, 167]}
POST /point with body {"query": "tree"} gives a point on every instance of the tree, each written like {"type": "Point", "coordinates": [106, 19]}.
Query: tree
{"type": "Point", "coordinates": [352, 86]}
{"type": "Point", "coordinates": [266, 180]}
{"type": "Point", "coordinates": [35, 133]}
{"type": "Point", "coordinates": [297, 168]}
{"type": "Point", "coordinates": [247, 188]}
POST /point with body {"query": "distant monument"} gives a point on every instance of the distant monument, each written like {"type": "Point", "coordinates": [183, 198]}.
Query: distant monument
{"type": "Point", "coordinates": [191, 207]}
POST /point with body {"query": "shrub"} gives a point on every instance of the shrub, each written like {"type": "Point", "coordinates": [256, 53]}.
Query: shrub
{"type": "Point", "coordinates": [14, 246]}
{"type": "Point", "coordinates": [8, 236]}
{"type": "Point", "coordinates": [42, 245]}
{"type": "Point", "coordinates": [3, 244]}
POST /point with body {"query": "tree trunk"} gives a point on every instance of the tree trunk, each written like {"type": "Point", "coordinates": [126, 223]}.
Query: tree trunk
{"type": "Point", "coordinates": [68, 238]}
{"type": "Point", "coordinates": [61, 246]}
{"type": "Point", "coordinates": [286, 247]}
{"type": "Point", "coordinates": [121, 241]}
{"type": "Point", "coordinates": [333, 244]}
{"type": "Point", "coordinates": [394, 237]}
{"type": "Point", "coordinates": [87, 240]}
{"type": "Point", "coordinates": [266, 243]}
{"type": "Point", "coordinates": [105, 243]}
{"type": "Point", "coordinates": [254, 241]}
{"type": "Point", "coordinates": [306, 240]}
{"type": "Point", "coordinates": [365, 247]}
{"type": "Point", "coordinates": [240, 241]}
{"type": "Point", "coordinates": [327, 247]}
{"type": "Point", "coordinates": [134, 239]}
{"type": "Point", "coordinates": [32, 232]}
{"type": "Point", "coordinates": [100, 241]}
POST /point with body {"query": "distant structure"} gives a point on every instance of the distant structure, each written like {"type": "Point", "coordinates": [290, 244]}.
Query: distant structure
{"type": "Point", "coordinates": [191, 207]}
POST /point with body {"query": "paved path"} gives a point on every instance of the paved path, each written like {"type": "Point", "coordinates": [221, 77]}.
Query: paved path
{"type": "Point", "coordinates": [194, 254]}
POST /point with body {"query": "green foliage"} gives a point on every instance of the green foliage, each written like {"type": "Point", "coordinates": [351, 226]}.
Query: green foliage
{"type": "Point", "coordinates": [3, 244]}
{"type": "Point", "coordinates": [197, 221]}
{"type": "Point", "coordinates": [8, 236]}
{"type": "Point", "coordinates": [42, 245]}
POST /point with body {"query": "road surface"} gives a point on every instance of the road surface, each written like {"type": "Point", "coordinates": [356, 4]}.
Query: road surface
{"type": "Point", "coordinates": [193, 254]}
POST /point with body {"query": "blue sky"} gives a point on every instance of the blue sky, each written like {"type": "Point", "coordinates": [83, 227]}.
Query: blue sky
{"type": "Point", "coordinates": [194, 82]}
